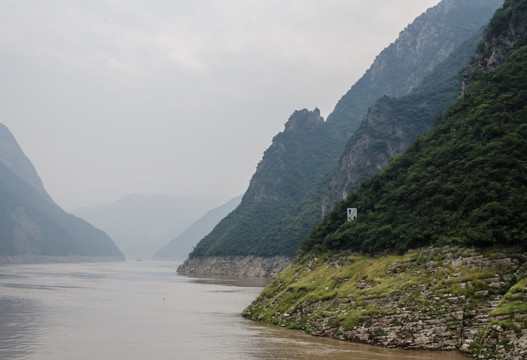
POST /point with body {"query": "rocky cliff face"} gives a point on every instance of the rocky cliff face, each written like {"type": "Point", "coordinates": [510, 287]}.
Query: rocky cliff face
{"type": "Point", "coordinates": [235, 266]}
{"type": "Point", "coordinates": [273, 179]}
{"type": "Point", "coordinates": [443, 297]}
{"type": "Point", "coordinates": [392, 124]}
{"type": "Point", "coordinates": [435, 298]}
{"type": "Point", "coordinates": [375, 143]}
{"type": "Point", "coordinates": [32, 227]}
{"type": "Point", "coordinates": [284, 198]}
{"type": "Point", "coordinates": [420, 47]}
{"type": "Point", "coordinates": [505, 34]}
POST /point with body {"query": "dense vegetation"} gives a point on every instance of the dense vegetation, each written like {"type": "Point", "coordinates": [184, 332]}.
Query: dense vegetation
{"type": "Point", "coordinates": [463, 183]}
{"type": "Point", "coordinates": [262, 224]}
{"type": "Point", "coordinates": [393, 124]}
{"type": "Point", "coordinates": [284, 199]}
{"type": "Point", "coordinates": [513, 12]}
{"type": "Point", "coordinates": [462, 186]}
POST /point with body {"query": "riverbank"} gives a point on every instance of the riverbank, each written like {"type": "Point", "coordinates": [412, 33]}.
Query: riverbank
{"type": "Point", "coordinates": [234, 266]}
{"type": "Point", "coordinates": [450, 298]}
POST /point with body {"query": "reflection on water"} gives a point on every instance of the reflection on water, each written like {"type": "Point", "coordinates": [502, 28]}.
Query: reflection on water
{"type": "Point", "coordinates": [144, 310]}
{"type": "Point", "coordinates": [19, 325]}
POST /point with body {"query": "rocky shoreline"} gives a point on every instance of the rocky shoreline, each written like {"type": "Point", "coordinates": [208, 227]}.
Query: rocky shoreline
{"type": "Point", "coordinates": [451, 298]}
{"type": "Point", "coordinates": [235, 266]}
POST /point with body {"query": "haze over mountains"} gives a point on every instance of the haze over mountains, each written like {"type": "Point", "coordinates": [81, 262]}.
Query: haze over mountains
{"type": "Point", "coordinates": [34, 228]}
{"type": "Point", "coordinates": [141, 224]}
{"type": "Point", "coordinates": [437, 257]}
{"type": "Point", "coordinates": [179, 247]}
{"type": "Point", "coordinates": [286, 195]}
{"type": "Point", "coordinates": [314, 163]}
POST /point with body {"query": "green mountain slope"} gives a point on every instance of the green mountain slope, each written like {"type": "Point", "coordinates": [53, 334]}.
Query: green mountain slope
{"type": "Point", "coordinates": [453, 205]}
{"type": "Point", "coordinates": [392, 124]}
{"type": "Point", "coordinates": [463, 183]}
{"type": "Point", "coordinates": [284, 199]}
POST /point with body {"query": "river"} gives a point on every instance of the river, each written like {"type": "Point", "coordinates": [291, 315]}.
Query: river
{"type": "Point", "coordinates": [145, 310]}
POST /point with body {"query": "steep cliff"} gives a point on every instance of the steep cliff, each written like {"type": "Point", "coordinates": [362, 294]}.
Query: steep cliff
{"type": "Point", "coordinates": [505, 34]}
{"type": "Point", "coordinates": [284, 198]}
{"type": "Point", "coordinates": [462, 182]}
{"type": "Point", "coordinates": [436, 258]}
{"type": "Point", "coordinates": [392, 124]}
{"type": "Point", "coordinates": [32, 227]}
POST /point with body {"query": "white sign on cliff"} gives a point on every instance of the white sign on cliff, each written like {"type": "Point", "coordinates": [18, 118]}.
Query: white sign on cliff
{"type": "Point", "coordinates": [352, 214]}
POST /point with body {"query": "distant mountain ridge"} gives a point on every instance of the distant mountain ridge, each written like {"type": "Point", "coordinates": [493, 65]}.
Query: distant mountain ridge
{"type": "Point", "coordinates": [141, 224]}
{"type": "Point", "coordinates": [285, 195]}
{"type": "Point", "coordinates": [179, 247]}
{"type": "Point", "coordinates": [32, 227]}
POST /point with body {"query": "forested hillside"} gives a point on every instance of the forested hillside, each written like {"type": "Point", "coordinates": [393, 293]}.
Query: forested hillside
{"type": "Point", "coordinates": [437, 257]}
{"type": "Point", "coordinates": [284, 199]}
{"type": "Point", "coordinates": [462, 183]}
{"type": "Point", "coordinates": [393, 124]}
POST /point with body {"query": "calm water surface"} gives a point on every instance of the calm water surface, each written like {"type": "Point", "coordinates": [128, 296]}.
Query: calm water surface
{"type": "Point", "coordinates": [144, 310]}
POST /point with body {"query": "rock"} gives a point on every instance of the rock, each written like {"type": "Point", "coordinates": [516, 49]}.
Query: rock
{"type": "Point", "coordinates": [235, 266]}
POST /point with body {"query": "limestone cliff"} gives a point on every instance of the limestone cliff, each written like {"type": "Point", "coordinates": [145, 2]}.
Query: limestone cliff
{"type": "Point", "coordinates": [392, 124]}
{"type": "Point", "coordinates": [284, 199]}
{"type": "Point", "coordinates": [444, 226]}
{"type": "Point", "coordinates": [235, 266]}
{"type": "Point", "coordinates": [505, 34]}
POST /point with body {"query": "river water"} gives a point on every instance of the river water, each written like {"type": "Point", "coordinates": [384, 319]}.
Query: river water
{"type": "Point", "coordinates": [145, 310]}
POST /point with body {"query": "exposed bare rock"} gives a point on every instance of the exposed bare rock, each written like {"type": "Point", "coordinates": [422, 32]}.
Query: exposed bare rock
{"type": "Point", "coordinates": [235, 266]}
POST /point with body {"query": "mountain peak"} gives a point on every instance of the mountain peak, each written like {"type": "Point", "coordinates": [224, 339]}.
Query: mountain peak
{"type": "Point", "coordinates": [304, 120]}
{"type": "Point", "coordinates": [12, 156]}
{"type": "Point", "coordinates": [34, 228]}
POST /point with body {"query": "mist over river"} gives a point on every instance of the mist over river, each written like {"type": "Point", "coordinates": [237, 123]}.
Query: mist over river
{"type": "Point", "coordinates": [145, 310]}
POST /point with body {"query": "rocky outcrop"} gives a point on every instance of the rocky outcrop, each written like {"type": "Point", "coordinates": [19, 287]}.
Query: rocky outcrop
{"type": "Point", "coordinates": [234, 266]}
{"type": "Point", "coordinates": [505, 34]}
{"type": "Point", "coordinates": [393, 124]}
{"type": "Point", "coordinates": [284, 198]}
{"type": "Point", "coordinates": [282, 166]}
{"type": "Point", "coordinates": [435, 299]}
{"type": "Point", "coordinates": [369, 150]}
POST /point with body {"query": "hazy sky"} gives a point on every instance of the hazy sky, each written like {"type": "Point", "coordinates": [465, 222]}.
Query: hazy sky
{"type": "Point", "coordinates": [112, 97]}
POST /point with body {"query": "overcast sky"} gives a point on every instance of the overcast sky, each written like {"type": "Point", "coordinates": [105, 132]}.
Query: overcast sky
{"type": "Point", "coordinates": [113, 97]}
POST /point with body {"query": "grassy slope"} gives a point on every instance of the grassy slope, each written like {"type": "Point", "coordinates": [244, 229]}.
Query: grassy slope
{"type": "Point", "coordinates": [433, 298]}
